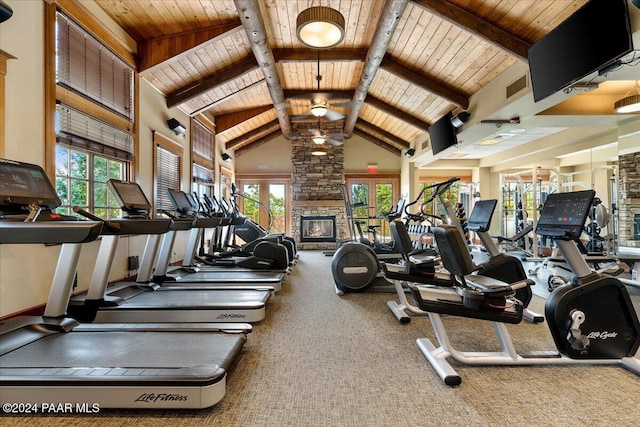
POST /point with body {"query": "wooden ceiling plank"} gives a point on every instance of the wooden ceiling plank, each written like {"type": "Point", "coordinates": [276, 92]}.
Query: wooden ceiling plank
{"type": "Point", "coordinates": [217, 79]}
{"type": "Point", "coordinates": [392, 111]}
{"type": "Point", "coordinates": [251, 17]}
{"type": "Point", "coordinates": [437, 88]}
{"type": "Point", "coordinates": [492, 34]}
{"type": "Point", "coordinates": [255, 133]}
{"type": "Point", "coordinates": [376, 141]}
{"type": "Point", "coordinates": [229, 120]}
{"type": "Point", "coordinates": [394, 140]}
{"type": "Point", "coordinates": [229, 97]}
{"type": "Point", "coordinates": [391, 13]}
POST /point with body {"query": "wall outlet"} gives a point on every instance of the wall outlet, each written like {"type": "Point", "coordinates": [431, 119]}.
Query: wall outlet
{"type": "Point", "coordinates": [133, 262]}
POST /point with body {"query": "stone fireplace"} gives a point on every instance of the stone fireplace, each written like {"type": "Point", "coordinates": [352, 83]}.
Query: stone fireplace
{"type": "Point", "coordinates": [315, 191]}
{"type": "Point", "coordinates": [629, 202]}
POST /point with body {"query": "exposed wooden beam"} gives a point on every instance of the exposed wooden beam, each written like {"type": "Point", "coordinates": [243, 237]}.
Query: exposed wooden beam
{"type": "Point", "coordinates": [488, 32]}
{"type": "Point", "coordinates": [219, 78]}
{"type": "Point", "coordinates": [226, 98]}
{"type": "Point", "coordinates": [306, 94]}
{"type": "Point", "coordinates": [249, 12]}
{"type": "Point", "coordinates": [227, 121]}
{"type": "Point", "coordinates": [173, 47]}
{"type": "Point", "coordinates": [258, 142]}
{"type": "Point", "coordinates": [437, 88]}
{"type": "Point", "coordinates": [377, 141]}
{"type": "Point", "coordinates": [392, 139]}
{"type": "Point", "coordinates": [253, 134]}
{"type": "Point", "coordinates": [389, 18]}
{"type": "Point", "coordinates": [399, 114]}
{"type": "Point", "coordinates": [310, 55]}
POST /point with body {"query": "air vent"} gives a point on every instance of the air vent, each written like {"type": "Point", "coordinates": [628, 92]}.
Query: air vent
{"type": "Point", "coordinates": [516, 86]}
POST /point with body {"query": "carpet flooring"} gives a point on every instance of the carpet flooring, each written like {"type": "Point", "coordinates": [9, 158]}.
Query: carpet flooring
{"type": "Point", "coordinates": [318, 359]}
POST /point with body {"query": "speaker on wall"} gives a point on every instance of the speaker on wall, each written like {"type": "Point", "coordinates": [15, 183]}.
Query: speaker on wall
{"type": "Point", "coordinates": [176, 126]}
{"type": "Point", "coordinates": [5, 11]}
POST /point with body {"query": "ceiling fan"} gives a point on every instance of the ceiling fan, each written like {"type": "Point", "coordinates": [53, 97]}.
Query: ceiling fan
{"type": "Point", "coordinates": [320, 105]}
{"type": "Point", "coordinates": [320, 137]}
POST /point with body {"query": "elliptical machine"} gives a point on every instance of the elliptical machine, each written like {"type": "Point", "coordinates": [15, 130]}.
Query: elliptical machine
{"type": "Point", "coordinates": [250, 231]}
{"type": "Point", "coordinates": [356, 265]}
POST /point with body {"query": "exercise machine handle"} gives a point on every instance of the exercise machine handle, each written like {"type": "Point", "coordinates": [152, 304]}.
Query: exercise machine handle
{"type": "Point", "coordinates": [92, 217]}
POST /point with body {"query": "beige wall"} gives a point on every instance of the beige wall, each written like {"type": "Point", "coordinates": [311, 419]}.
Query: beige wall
{"type": "Point", "coordinates": [274, 156]}
{"type": "Point", "coordinates": [26, 270]}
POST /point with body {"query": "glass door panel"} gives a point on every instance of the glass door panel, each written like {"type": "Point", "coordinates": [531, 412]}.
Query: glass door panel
{"type": "Point", "coordinates": [277, 207]}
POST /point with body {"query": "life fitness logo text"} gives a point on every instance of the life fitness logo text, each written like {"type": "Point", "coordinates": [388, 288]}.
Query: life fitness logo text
{"type": "Point", "coordinates": [161, 397]}
{"type": "Point", "coordinates": [602, 335]}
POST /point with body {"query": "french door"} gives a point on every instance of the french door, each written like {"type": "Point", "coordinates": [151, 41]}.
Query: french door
{"type": "Point", "coordinates": [266, 201]}
{"type": "Point", "coordinates": [372, 197]}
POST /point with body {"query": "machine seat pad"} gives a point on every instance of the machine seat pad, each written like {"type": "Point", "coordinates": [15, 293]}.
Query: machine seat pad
{"type": "Point", "coordinates": [445, 303]}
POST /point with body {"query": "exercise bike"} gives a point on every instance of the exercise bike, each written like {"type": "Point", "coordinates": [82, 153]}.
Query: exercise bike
{"type": "Point", "coordinates": [500, 266]}
{"type": "Point", "coordinates": [591, 319]}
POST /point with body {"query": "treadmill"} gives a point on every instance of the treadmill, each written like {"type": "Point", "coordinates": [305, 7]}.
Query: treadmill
{"type": "Point", "coordinates": [130, 302]}
{"type": "Point", "coordinates": [54, 360]}
{"type": "Point", "coordinates": [190, 276]}
{"type": "Point", "coordinates": [196, 275]}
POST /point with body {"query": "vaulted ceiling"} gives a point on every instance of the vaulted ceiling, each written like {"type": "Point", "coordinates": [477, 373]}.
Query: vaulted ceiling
{"type": "Point", "coordinates": [402, 63]}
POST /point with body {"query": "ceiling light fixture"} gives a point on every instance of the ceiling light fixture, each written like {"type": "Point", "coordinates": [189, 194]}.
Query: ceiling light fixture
{"type": "Point", "coordinates": [319, 139]}
{"type": "Point", "coordinates": [320, 27]}
{"type": "Point", "coordinates": [319, 109]}
{"type": "Point", "coordinates": [630, 103]}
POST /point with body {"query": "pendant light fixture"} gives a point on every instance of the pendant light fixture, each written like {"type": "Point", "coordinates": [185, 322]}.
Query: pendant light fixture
{"type": "Point", "coordinates": [320, 27]}
{"type": "Point", "coordinates": [630, 103]}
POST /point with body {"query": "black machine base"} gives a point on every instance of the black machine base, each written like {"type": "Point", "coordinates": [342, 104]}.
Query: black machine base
{"type": "Point", "coordinates": [610, 327]}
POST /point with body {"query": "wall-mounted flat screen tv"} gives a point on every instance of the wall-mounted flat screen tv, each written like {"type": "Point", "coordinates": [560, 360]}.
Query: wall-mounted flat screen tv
{"type": "Point", "coordinates": [593, 37]}
{"type": "Point", "coordinates": [442, 134]}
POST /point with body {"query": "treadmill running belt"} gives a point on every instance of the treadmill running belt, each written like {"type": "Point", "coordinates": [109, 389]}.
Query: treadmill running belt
{"type": "Point", "coordinates": [233, 276]}
{"type": "Point", "coordinates": [120, 350]}
{"type": "Point", "coordinates": [197, 300]}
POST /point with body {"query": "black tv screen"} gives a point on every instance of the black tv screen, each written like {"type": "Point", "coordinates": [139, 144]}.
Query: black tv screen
{"type": "Point", "coordinates": [442, 134]}
{"type": "Point", "coordinates": [593, 37]}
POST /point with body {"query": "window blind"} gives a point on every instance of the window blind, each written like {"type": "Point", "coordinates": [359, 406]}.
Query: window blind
{"type": "Point", "coordinates": [167, 176]}
{"type": "Point", "coordinates": [88, 67]}
{"type": "Point", "coordinates": [202, 141]}
{"type": "Point", "coordinates": [202, 175]}
{"type": "Point", "coordinates": [77, 129]}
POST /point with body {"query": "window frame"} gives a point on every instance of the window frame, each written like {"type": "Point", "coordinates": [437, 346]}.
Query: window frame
{"type": "Point", "coordinates": [55, 93]}
{"type": "Point", "coordinates": [167, 144]}
{"type": "Point", "coordinates": [112, 210]}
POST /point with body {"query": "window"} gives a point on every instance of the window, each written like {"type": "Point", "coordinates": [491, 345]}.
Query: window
{"type": "Point", "coordinates": [202, 181]}
{"type": "Point", "coordinates": [168, 158]}
{"type": "Point", "coordinates": [373, 197]}
{"type": "Point", "coordinates": [93, 143]}
{"type": "Point", "coordinates": [86, 66]}
{"type": "Point", "coordinates": [260, 194]}
{"type": "Point", "coordinates": [202, 152]}
{"type": "Point", "coordinates": [81, 180]}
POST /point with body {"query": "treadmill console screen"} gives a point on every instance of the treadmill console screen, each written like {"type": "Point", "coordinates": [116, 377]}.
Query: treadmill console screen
{"type": "Point", "coordinates": [181, 202]}
{"type": "Point", "coordinates": [564, 214]}
{"type": "Point", "coordinates": [480, 219]}
{"type": "Point", "coordinates": [22, 184]}
{"type": "Point", "coordinates": [129, 195]}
